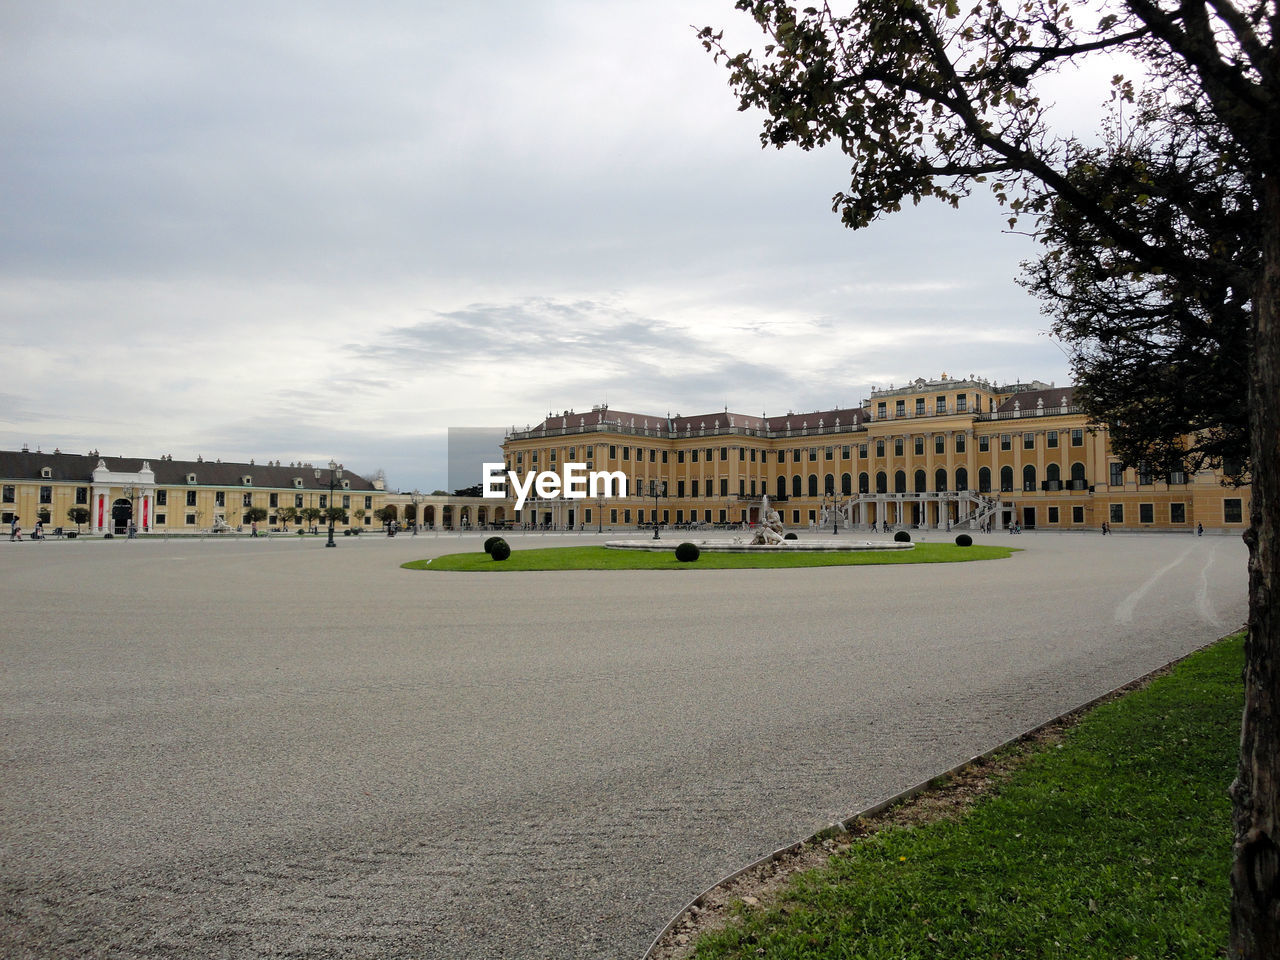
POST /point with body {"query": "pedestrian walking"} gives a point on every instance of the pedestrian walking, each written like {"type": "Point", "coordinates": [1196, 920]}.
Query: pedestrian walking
{"type": "Point", "coordinates": [1199, 529]}
{"type": "Point", "coordinates": [37, 532]}
{"type": "Point", "coordinates": [15, 529]}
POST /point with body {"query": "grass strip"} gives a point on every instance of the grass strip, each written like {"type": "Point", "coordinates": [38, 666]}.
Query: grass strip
{"type": "Point", "coordinates": [1114, 843]}
{"type": "Point", "coordinates": [602, 558]}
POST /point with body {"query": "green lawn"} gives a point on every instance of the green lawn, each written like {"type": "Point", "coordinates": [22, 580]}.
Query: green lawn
{"type": "Point", "coordinates": [1115, 843]}
{"type": "Point", "coordinates": [602, 558]}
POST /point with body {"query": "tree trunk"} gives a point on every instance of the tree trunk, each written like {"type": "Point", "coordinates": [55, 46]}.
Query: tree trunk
{"type": "Point", "coordinates": [1255, 872]}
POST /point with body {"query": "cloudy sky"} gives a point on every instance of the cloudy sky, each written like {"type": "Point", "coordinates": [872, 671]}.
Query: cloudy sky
{"type": "Point", "coordinates": [303, 230]}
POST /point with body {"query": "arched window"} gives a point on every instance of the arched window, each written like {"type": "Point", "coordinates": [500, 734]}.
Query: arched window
{"type": "Point", "coordinates": [984, 480]}
{"type": "Point", "coordinates": [1006, 479]}
{"type": "Point", "coordinates": [813, 484]}
{"type": "Point", "coordinates": [797, 487]}
{"type": "Point", "coordinates": [1053, 476]}
{"type": "Point", "coordinates": [882, 482]}
{"type": "Point", "coordinates": [1077, 477]}
{"type": "Point", "coordinates": [864, 483]}
{"type": "Point", "coordinates": [829, 484]}
{"type": "Point", "coordinates": [1029, 477]}
{"type": "Point", "coordinates": [900, 482]}
{"type": "Point", "coordinates": [940, 479]}
{"type": "Point", "coordinates": [846, 484]}
{"type": "Point", "coordinates": [782, 487]}
{"type": "Point", "coordinates": [962, 478]}
{"type": "Point", "coordinates": [922, 481]}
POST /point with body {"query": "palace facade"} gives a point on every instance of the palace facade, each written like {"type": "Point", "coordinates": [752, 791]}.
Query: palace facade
{"type": "Point", "coordinates": [935, 454]}
{"type": "Point", "coordinates": [171, 496]}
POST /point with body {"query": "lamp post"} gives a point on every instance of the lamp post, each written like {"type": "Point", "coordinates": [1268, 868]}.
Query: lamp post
{"type": "Point", "coordinates": [835, 511]}
{"type": "Point", "coordinates": [415, 497]}
{"type": "Point", "coordinates": [127, 490]}
{"type": "Point", "coordinates": [335, 477]}
{"type": "Point", "coordinates": [656, 489]}
{"type": "Point", "coordinates": [600, 515]}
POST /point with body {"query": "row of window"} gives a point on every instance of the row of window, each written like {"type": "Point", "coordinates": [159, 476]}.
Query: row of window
{"type": "Point", "coordinates": [9, 495]}
{"type": "Point", "coordinates": [814, 486]}
{"type": "Point", "coordinates": [1053, 481]}
{"type": "Point", "coordinates": [190, 520]}
{"type": "Point", "coordinates": [1143, 475]}
{"type": "Point", "coordinates": [827, 453]}
{"type": "Point", "coordinates": [961, 405]}
{"type": "Point", "coordinates": [1232, 512]}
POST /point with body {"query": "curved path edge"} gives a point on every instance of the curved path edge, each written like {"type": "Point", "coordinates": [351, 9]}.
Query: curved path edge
{"type": "Point", "coordinates": [845, 823]}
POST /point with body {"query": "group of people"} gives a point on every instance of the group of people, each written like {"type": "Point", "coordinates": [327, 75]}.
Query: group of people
{"type": "Point", "coordinates": [15, 530]}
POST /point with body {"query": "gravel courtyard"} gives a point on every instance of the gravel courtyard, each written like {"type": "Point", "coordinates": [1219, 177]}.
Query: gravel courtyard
{"type": "Point", "coordinates": [237, 748]}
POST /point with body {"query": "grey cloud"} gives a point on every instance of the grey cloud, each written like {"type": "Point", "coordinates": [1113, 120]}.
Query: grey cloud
{"type": "Point", "coordinates": [541, 328]}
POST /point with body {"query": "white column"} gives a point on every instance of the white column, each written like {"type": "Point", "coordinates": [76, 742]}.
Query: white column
{"type": "Point", "coordinates": [100, 506]}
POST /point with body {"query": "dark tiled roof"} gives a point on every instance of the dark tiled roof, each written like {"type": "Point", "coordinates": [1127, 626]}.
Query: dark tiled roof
{"type": "Point", "coordinates": [1030, 400]}
{"type": "Point", "coordinates": [78, 468]}
{"type": "Point", "coordinates": [691, 425]}
{"type": "Point", "coordinates": [848, 417]}
{"type": "Point", "coordinates": [586, 418]}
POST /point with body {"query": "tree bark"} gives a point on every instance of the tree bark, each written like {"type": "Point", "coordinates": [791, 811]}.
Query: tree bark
{"type": "Point", "coordinates": [1255, 872]}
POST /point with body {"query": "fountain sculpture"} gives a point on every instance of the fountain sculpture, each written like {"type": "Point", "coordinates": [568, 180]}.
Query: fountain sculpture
{"type": "Point", "coordinates": [770, 532]}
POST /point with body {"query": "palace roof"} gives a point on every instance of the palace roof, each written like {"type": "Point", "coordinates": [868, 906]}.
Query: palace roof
{"type": "Point", "coordinates": [679, 425]}
{"type": "Point", "coordinates": [78, 468]}
{"type": "Point", "coordinates": [1028, 401]}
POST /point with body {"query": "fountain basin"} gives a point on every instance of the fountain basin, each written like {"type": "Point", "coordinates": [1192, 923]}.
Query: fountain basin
{"type": "Point", "coordinates": [722, 545]}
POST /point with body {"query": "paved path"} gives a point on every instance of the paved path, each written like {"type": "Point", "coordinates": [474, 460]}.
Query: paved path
{"type": "Point", "coordinates": [242, 749]}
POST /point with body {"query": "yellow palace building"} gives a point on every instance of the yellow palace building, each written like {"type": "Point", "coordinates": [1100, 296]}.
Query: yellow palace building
{"type": "Point", "coordinates": [946, 453]}
{"type": "Point", "coordinates": [170, 496]}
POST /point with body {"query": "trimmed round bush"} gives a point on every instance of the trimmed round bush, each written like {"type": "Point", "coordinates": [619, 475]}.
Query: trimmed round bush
{"type": "Point", "coordinates": [902, 536]}
{"type": "Point", "coordinates": [964, 540]}
{"type": "Point", "coordinates": [500, 550]}
{"type": "Point", "coordinates": [688, 552]}
{"type": "Point", "coordinates": [789, 536]}
{"type": "Point", "coordinates": [488, 544]}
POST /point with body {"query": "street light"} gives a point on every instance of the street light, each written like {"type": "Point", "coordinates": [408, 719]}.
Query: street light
{"type": "Point", "coordinates": [127, 490]}
{"type": "Point", "coordinates": [656, 489]}
{"type": "Point", "coordinates": [415, 497]}
{"type": "Point", "coordinates": [600, 514]}
{"type": "Point", "coordinates": [835, 512]}
{"type": "Point", "coordinates": [335, 477]}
